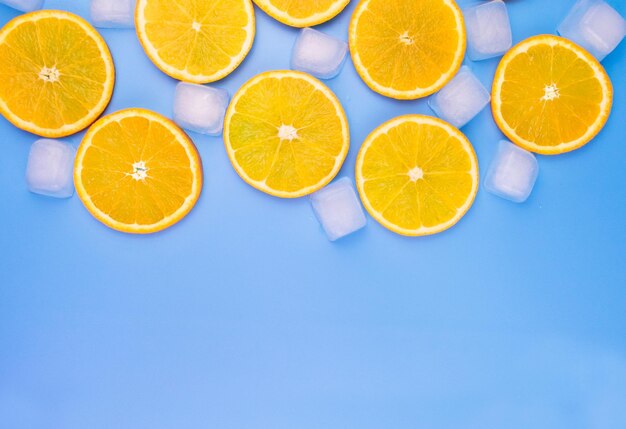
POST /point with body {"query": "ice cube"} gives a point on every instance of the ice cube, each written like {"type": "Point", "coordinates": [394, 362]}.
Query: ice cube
{"type": "Point", "coordinates": [512, 173]}
{"type": "Point", "coordinates": [461, 99]}
{"type": "Point", "coordinates": [318, 54]}
{"type": "Point", "coordinates": [50, 168]}
{"type": "Point", "coordinates": [338, 209]}
{"type": "Point", "coordinates": [595, 26]}
{"type": "Point", "coordinates": [24, 5]}
{"type": "Point", "coordinates": [488, 30]}
{"type": "Point", "coordinates": [113, 13]}
{"type": "Point", "coordinates": [200, 108]}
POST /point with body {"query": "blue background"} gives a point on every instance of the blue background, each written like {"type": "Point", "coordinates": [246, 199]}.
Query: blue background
{"type": "Point", "coordinates": [244, 316]}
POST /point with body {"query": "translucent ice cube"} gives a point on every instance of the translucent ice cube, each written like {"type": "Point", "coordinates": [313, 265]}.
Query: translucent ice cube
{"type": "Point", "coordinates": [488, 30]}
{"type": "Point", "coordinates": [24, 5]}
{"type": "Point", "coordinates": [200, 108]}
{"type": "Point", "coordinates": [318, 54]}
{"type": "Point", "coordinates": [113, 13]}
{"type": "Point", "coordinates": [595, 26]}
{"type": "Point", "coordinates": [50, 168]}
{"type": "Point", "coordinates": [338, 209]}
{"type": "Point", "coordinates": [512, 173]}
{"type": "Point", "coordinates": [461, 99]}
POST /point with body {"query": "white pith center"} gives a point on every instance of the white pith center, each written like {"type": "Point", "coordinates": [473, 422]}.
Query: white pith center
{"type": "Point", "coordinates": [140, 171]}
{"type": "Point", "coordinates": [196, 26]}
{"type": "Point", "coordinates": [49, 74]}
{"type": "Point", "coordinates": [415, 174]}
{"type": "Point", "coordinates": [406, 39]}
{"type": "Point", "coordinates": [551, 92]}
{"type": "Point", "coordinates": [287, 132]}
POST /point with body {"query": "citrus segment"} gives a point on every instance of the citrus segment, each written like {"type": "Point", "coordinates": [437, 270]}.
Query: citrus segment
{"type": "Point", "coordinates": [56, 73]}
{"type": "Point", "coordinates": [407, 49]}
{"type": "Point", "coordinates": [137, 172]}
{"type": "Point", "coordinates": [417, 175]}
{"type": "Point", "coordinates": [286, 133]}
{"type": "Point", "coordinates": [196, 41]}
{"type": "Point", "coordinates": [302, 13]}
{"type": "Point", "coordinates": [550, 96]}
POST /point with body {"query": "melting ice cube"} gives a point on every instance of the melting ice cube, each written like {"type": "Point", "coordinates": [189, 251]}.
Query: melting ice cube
{"type": "Point", "coordinates": [338, 209]}
{"type": "Point", "coordinates": [512, 173]}
{"type": "Point", "coordinates": [50, 168]}
{"type": "Point", "coordinates": [24, 5]}
{"type": "Point", "coordinates": [461, 99]}
{"type": "Point", "coordinates": [594, 25]}
{"type": "Point", "coordinates": [200, 108]}
{"type": "Point", "coordinates": [113, 13]}
{"type": "Point", "coordinates": [488, 30]}
{"type": "Point", "coordinates": [318, 54]}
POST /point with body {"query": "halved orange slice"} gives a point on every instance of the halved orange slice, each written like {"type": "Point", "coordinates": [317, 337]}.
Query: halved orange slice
{"type": "Point", "coordinates": [286, 133]}
{"type": "Point", "coordinates": [550, 96]}
{"type": "Point", "coordinates": [196, 41]}
{"type": "Point", "coordinates": [302, 13]}
{"type": "Point", "coordinates": [56, 73]}
{"type": "Point", "coordinates": [417, 175]}
{"type": "Point", "coordinates": [137, 172]}
{"type": "Point", "coordinates": [407, 49]}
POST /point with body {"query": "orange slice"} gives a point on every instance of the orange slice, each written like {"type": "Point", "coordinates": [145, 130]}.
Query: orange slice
{"type": "Point", "coordinates": [302, 13]}
{"type": "Point", "coordinates": [286, 133]}
{"type": "Point", "coordinates": [56, 73]}
{"type": "Point", "coordinates": [137, 172]}
{"type": "Point", "coordinates": [196, 41]}
{"type": "Point", "coordinates": [407, 49]}
{"type": "Point", "coordinates": [417, 175]}
{"type": "Point", "coordinates": [550, 96]}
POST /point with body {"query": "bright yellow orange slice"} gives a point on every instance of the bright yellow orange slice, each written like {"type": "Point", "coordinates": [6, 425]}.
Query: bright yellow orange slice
{"type": "Point", "coordinates": [550, 96]}
{"type": "Point", "coordinates": [56, 73]}
{"type": "Point", "coordinates": [137, 172]}
{"type": "Point", "coordinates": [196, 41]}
{"type": "Point", "coordinates": [286, 133]}
{"type": "Point", "coordinates": [302, 13]}
{"type": "Point", "coordinates": [407, 49]}
{"type": "Point", "coordinates": [417, 175]}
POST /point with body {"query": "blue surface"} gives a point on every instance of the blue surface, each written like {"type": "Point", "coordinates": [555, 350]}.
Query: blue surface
{"type": "Point", "coordinates": [245, 316]}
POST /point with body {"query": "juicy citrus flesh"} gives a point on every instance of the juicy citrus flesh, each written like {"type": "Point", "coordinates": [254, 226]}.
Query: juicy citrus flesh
{"type": "Point", "coordinates": [417, 175]}
{"type": "Point", "coordinates": [550, 96]}
{"type": "Point", "coordinates": [56, 73]}
{"type": "Point", "coordinates": [286, 133]}
{"type": "Point", "coordinates": [137, 172]}
{"type": "Point", "coordinates": [196, 41]}
{"type": "Point", "coordinates": [407, 49]}
{"type": "Point", "coordinates": [302, 13]}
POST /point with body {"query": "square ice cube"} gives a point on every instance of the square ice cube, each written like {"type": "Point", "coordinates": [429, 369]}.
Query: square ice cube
{"type": "Point", "coordinates": [338, 209]}
{"type": "Point", "coordinates": [113, 13]}
{"type": "Point", "coordinates": [24, 5]}
{"type": "Point", "coordinates": [595, 26]}
{"type": "Point", "coordinates": [488, 30]}
{"type": "Point", "coordinates": [461, 99]}
{"type": "Point", "coordinates": [318, 54]}
{"type": "Point", "coordinates": [200, 108]}
{"type": "Point", "coordinates": [512, 173]}
{"type": "Point", "coordinates": [50, 168]}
